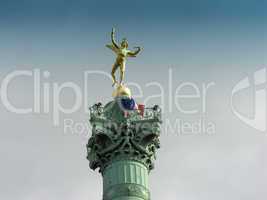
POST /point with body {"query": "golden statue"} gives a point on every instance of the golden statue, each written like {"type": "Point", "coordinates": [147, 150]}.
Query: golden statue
{"type": "Point", "coordinates": [122, 54]}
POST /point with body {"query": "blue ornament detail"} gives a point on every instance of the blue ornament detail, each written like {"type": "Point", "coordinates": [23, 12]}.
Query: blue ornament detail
{"type": "Point", "coordinates": [128, 103]}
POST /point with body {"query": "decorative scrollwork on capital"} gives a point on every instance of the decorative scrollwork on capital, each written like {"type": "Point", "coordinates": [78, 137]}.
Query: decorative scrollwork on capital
{"type": "Point", "coordinates": [134, 138]}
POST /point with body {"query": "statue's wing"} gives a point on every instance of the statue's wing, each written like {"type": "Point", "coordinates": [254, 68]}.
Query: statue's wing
{"type": "Point", "coordinates": [113, 48]}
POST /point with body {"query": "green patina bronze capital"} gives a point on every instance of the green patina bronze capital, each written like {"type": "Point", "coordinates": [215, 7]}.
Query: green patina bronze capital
{"type": "Point", "coordinates": [119, 137]}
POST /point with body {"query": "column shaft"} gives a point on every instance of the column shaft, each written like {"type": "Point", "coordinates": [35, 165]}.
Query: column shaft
{"type": "Point", "coordinates": [126, 180]}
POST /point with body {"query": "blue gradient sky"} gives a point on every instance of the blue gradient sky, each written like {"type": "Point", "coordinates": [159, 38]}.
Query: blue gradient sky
{"type": "Point", "coordinates": [183, 32]}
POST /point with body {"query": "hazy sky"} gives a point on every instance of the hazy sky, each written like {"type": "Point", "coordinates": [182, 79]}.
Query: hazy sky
{"type": "Point", "coordinates": [201, 42]}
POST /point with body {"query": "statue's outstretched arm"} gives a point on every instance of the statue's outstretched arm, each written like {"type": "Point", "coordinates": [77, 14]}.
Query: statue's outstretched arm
{"type": "Point", "coordinates": [113, 38]}
{"type": "Point", "coordinates": [134, 53]}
